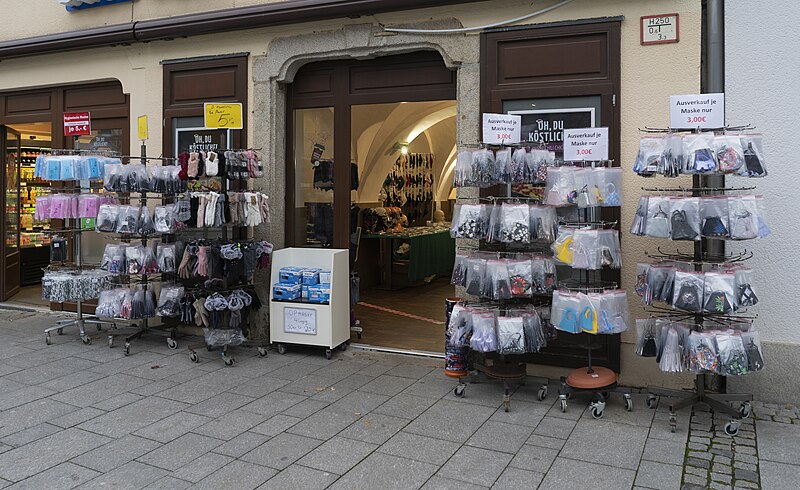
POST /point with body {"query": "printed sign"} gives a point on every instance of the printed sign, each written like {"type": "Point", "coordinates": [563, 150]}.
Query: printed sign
{"type": "Point", "coordinates": [501, 129]}
{"type": "Point", "coordinates": [200, 139]}
{"type": "Point", "coordinates": [223, 116]}
{"type": "Point", "coordinates": [300, 320]}
{"type": "Point", "coordinates": [659, 29]}
{"type": "Point", "coordinates": [546, 127]}
{"type": "Point", "coordinates": [586, 144]}
{"type": "Point", "coordinates": [697, 111]}
{"type": "Point", "coordinates": [77, 123]}
{"type": "Point", "coordinates": [141, 124]}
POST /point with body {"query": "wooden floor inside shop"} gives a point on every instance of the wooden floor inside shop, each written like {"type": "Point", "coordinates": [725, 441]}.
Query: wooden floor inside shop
{"type": "Point", "coordinates": [411, 318]}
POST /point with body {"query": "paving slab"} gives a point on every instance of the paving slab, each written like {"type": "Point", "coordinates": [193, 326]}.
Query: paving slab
{"type": "Point", "coordinates": [275, 425]}
{"type": "Point", "coordinates": [133, 417]}
{"type": "Point", "coordinates": [230, 425]}
{"type": "Point", "coordinates": [386, 472]}
{"type": "Point", "coordinates": [534, 458]}
{"type": "Point", "coordinates": [61, 477]}
{"type": "Point", "coordinates": [241, 444]}
{"type": "Point", "coordinates": [451, 421]}
{"type": "Point", "coordinates": [116, 453]}
{"type": "Point", "coordinates": [439, 483]}
{"type": "Point", "coordinates": [475, 465]}
{"type": "Point", "coordinates": [569, 474]}
{"type": "Point", "coordinates": [419, 448]}
{"type": "Point", "coordinates": [664, 451]}
{"type": "Point", "coordinates": [608, 443]}
{"type": "Point", "coordinates": [297, 477]}
{"type": "Point", "coordinates": [515, 478]}
{"type": "Point", "coordinates": [778, 476]}
{"type": "Point", "coordinates": [180, 451]}
{"type": "Point", "coordinates": [778, 442]}
{"type": "Point", "coordinates": [374, 428]}
{"type": "Point", "coordinates": [659, 476]}
{"type": "Point", "coordinates": [406, 406]}
{"type": "Point", "coordinates": [324, 424]}
{"type": "Point", "coordinates": [172, 427]}
{"type": "Point", "coordinates": [337, 455]}
{"type": "Point", "coordinates": [281, 451]}
{"type": "Point", "coordinates": [130, 475]}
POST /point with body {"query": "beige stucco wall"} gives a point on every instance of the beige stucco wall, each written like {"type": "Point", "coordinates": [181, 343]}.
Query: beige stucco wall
{"type": "Point", "coordinates": [649, 75]}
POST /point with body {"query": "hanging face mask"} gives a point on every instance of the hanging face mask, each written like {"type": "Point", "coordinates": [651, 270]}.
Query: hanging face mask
{"type": "Point", "coordinates": [640, 219]}
{"type": "Point", "coordinates": [562, 247]}
{"type": "Point", "coordinates": [729, 152]}
{"type": "Point", "coordinates": [657, 218]}
{"type": "Point", "coordinates": [702, 158]}
{"type": "Point", "coordinates": [688, 291]}
{"type": "Point", "coordinates": [753, 157]}
{"type": "Point", "coordinates": [752, 349]}
{"type": "Point", "coordinates": [681, 230]}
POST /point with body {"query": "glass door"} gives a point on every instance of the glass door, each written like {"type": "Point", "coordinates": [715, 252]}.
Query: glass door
{"type": "Point", "coordinates": [11, 225]}
{"type": "Point", "coordinates": [313, 202]}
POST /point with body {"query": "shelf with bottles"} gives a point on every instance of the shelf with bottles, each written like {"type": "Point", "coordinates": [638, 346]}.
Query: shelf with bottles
{"type": "Point", "coordinates": [28, 154]}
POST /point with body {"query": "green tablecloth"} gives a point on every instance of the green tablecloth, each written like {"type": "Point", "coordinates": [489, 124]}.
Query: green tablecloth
{"type": "Point", "coordinates": [431, 252]}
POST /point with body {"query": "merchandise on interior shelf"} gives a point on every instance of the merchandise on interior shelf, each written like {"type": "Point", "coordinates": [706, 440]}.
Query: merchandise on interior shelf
{"type": "Point", "coordinates": [73, 285]}
{"type": "Point", "coordinates": [58, 249]}
{"type": "Point", "coordinates": [319, 293]}
{"type": "Point", "coordinates": [692, 218]}
{"type": "Point", "coordinates": [722, 288]}
{"type": "Point", "coordinates": [72, 167]}
{"type": "Point", "coordinates": [595, 313]}
{"type": "Point", "coordinates": [586, 248]}
{"type": "Point", "coordinates": [519, 275]}
{"type": "Point", "coordinates": [674, 154]}
{"type": "Point", "coordinates": [700, 348]}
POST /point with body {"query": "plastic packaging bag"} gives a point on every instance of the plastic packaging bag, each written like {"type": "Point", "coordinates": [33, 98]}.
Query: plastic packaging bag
{"type": "Point", "coordinates": [482, 167]}
{"type": "Point", "coordinates": [165, 219]}
{"type": "Point", "coordinates": [688, 291]}
{"type": "Point", "coordinates": [720, 293]}
{"type": "Point", "coordinates": [146, 226]}
{"type": "Point", "coordinates": [166, 258]}
{"type": "Point", "coordinates": [732, 356]}
{"type": "Point", "coordinates": [563, 250]}
{"type": "Point", "coordinates": [658, 222]}
{"type": "Point", "coordinates": [462, 175]}
{"type": "Point", "coordinates": [639, 224]}
{"type": "Point", "coordinates": [110, 303]}
{"type": "Point", "coordinates": [134, 259]}
{"type": "Point", "coordinates": [543, 271]}
{"type": "Point", "coordinates": [609, 253]}
{"type": "Point", "coordinates": [672, 353]}
{"type": "Point", "coordinates": [515, 225]}
{"type": "Point", "coordinates": [730, 153]}
{"type": "Point", "coordinates": [685, 218]}
{"type": "Point", "coordinates": [495, 213]}
{"type": "Point", "coordinates": [476, 273]}
{"type": "Point", "coordinates": [608, 186]}
{"type": "Point", "coordinates": [460, 326]}
{"type": "Point", "coordinates": [473, 222]}
{"type": "Point", "coordinates": [517, 168]}
{"type": "Point", "coordinates": [564, 312]}
{"type": "Point", "coordinates": [745, 294]}
{"type": "Point", "coordinates": [588, 192]}
{"type": "Point", "coordinates": [484, 337]}
{"type": "Point", "coordinates": [459, 277]}
{"type": "Point", "coordinates": [752, 347]}
{"type": "Point", "coordinates": [648, 158]}
{"type": "Point", "coordinates": [673, 157]}
{"type": "Point", "coordinates": [520, 274]}
{"type": "Point", "coordinates": [502, 167]}
{"type": "Point", "coordinates": [701, 157]}
{"type": "Point", "coordinates": [107, 216]}
{"type": "Point", "coordinates": [543, 222]}
{"type": "Point", "coordinates": [127, 220]}
{"type": "Point", "coordinates": [510, 335]}
{"type": "Point", "coordinates": [169, 301]}
{"type": "Point", "coordinates": [754, 165]}
{"type": "Point", "coordinates": [714, 217]}
{"type": "Point", "coordinates": [646, 344]}
{"type": "Point", "coordinates": [743, 217]}
{"type": "Point", "coordinates": [498, 280]}
{"type": "Point", "coordinates": [701, 353]}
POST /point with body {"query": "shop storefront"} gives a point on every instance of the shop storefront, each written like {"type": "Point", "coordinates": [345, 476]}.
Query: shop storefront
{"type": "Point", "coordinates": [384, 112]}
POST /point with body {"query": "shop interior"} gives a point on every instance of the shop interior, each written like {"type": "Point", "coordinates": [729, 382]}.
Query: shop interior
{"type": "Point", "coordinates": [401, 200]}
{"type": "Point", "coordinates": [24, 143]}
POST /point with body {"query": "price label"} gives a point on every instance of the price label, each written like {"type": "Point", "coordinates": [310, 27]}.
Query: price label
{"type": "Point", "coordinates": [501, 129]}
{"type": "Point", "coordinates": [141, 125]}
{"type": "Point", "coordinates": [300, 320]}
{"type": "Point", "coordinates": [586, 144]}
{"type": "Point", "coordinates": [223, 116]}
{"type": "Point", "coordinates": [697, 111]}
{"type": "Point", "coordinates": [77, 123]}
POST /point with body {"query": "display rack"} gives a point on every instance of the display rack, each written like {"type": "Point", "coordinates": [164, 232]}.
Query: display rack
{"type": "Point", "coordinates": [706, 251]}
{"type": "Point", "coordinates": [301, 322]}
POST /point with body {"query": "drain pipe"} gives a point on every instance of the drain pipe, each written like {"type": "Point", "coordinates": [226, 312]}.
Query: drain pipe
{"type": "Point", "coordinates": [713, 81]}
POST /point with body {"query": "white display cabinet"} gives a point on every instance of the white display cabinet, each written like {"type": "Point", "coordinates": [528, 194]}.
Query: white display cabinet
{"type": "Point", "coordinates": [304, 323]}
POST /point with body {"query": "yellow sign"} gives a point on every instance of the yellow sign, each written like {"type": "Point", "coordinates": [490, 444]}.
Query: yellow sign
{"type": "Point", "coordinates": [142, 123]}
{"type": "Point", "coordinates": [223, 116]}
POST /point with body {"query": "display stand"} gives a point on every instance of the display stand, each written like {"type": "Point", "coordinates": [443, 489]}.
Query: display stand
{"type": "Point", "coordinates": [315, 324]}
{"type": "Point", "coordinates": [706, 251]}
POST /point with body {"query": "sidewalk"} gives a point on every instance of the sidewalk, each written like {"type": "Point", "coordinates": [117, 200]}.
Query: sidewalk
{"type": "Point", "coordinates": [73, 415]}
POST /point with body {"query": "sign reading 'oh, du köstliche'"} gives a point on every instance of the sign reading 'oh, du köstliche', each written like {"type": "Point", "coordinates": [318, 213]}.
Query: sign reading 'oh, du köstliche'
{"type": "Point", "coordinates": [499, 129]}
{"type": "Point", "coordinates": [586, 144]}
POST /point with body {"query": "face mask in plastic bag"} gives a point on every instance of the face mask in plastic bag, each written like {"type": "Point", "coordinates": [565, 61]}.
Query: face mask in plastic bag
{"type": "Point", "coordinates": [730, 154]}
{"type": "Point", "coordinates": [752, 348]}
{"type": "Point", "coordinates": [484, 337]}
{"type": "Point", "coordinates": [685, 218]}
{"type": "Point", "coordinates": [732, 356]}
{"type": "Point", "coordinates": [564, 312]}
{"type": "Point", "coordinates": [719, 292]}
{"type": "Point", "coordinates": [510, 335]}
{"type": "Point", "coordinates": [515, 225]}
{"type": "Point", "coordinates": [459, 276]}
{"type": "Point", "coordinates": [745, 295]}
{"type": "Point", "coordinates": [753, 156]}
{"type": "Point", "coordinates": [520, 277]}
{"type": "Point", "coordinates": [701, 158]}
{"type": "Point", "coordinates": [702, 353]}
{"type": "Point", "coordinates": [672, 353]}
{"type": "Point", "coordinates": [562, 247]}
{"type": "Point", "coordinates": [649, 156]}
{"type": "Point", "coordinates": [497, 286]}
{"type": "Point", "coordinates": [688, 291]}
{"type": "Point", "coordinates": [476, 272]}
{"type": "Point", "coordinates": [638, 227]}
{"type": "Point", "coordinates": [743, 217]}
{"type": "Point", "coordinates": [646, 338]}
{"type": "Point", "coordinates": [460, 326]}
{"type": "Point", "coordinates": [714, 216]}
{"type": "Point", "coordinates": [658, 217]}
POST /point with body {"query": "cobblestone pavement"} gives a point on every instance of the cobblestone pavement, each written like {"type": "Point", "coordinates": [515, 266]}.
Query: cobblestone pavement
{"type": "Point", "coordinates": [85, 416]}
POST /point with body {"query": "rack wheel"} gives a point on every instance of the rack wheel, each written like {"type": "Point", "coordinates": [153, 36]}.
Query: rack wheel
{"type": "Point", "coordinates": [47, 339]}
{"type": "Point", "coordinates": [460, 390]}
{"type": "Point", "coordinates": [99, 327]}
{"type": "Point", "coordinates": [597, 410]}
{"type": "Point", "coordinates": [194, 357]}
{"type": "Point", "coordinates": [604, 395]}
{"type": "Point", "coordinates": [127, 349]}
{"type": "Point", "coordinates": [60, 331]}
{"type": "Point", "coordinates": [731, 428]}
{"type": "Point", "coordinates": [506, 403]}
{"type": "Point", "coordinates": [652, 401]}
{"type": "Point", "coordinates": [563, 402]}
{"type": "Point", "coordinates": [542, 394]}
{"type": "Point", "coordinates": [281, 349]}
{"type": "Point", "coordinates": [110, 341]}
{"type": "Point", "coordinates": [745, 410]}
{"type": "Point", "coordinates": [262, 352]}
{"type": "Point", "coordinates": [328, 353]}
{"type": "Point", "coordinates": [172, 343]}
{"type": "Point", "coordinates": [209, 348]}
{"type": "Point", "coordinates": [229, 361]}
{"type": "Point", "coordinates": [86, 340]}
{"type": "Point", "coordinates": [673, 422]}
{"type": "Point", "coordinates": [628, 403]}
{"type": "Point", "coordinates": [343, 347]}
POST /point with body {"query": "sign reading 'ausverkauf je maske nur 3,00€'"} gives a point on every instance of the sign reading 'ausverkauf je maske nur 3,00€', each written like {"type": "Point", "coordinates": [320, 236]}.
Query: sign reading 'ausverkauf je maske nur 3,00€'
{"type": "Point", "coordinates": [501, 129]}
{"type": "Point", "coordinates": [587, 144]}
{"type": "Point", "coordinates": [697, 111]}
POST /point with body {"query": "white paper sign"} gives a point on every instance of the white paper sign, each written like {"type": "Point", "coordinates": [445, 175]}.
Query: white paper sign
{"type": "Point", "coordinates": [697, 111]}
{"type": "Point", "coordinates": [300, 320]}
{"type": "Point", "coordinates": [501, 129]}
{"type": "Point", "coordinates": [586, 144]}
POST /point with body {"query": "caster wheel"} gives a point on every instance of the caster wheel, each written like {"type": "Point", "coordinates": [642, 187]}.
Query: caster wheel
{"type": "Point", "coordinates": [358, 335]}
{"type": "Point", "coordinates": [328, 353]}
{"type": "Point", "coordinates": [506, 405]}
{"type": "Point", "coordinates": [110, 341]}
{"type": "Point", "coordinates": [542, 394]}
{"type": "Point", "coordinates": [652, 401]}
{"type": "Point", "coordinates": [86, 340]}
{"type": "Point", "coordinates": [194, 357]}
{"type": "Point", "coordinates": [47, 339]}
{"type": "Point", "coordinates": [628, 403]}
{"type": "Point", "coordinates": [459, 391]}
{"type": "Point", "coordinates": [563, 403]}
{"type": "Point", "coordinates": [673, 422]}
{"type": "Point", "coordinates": [60, 331]}
{"type": "Point", "coordinates": [172, 343]}
{"type": "Point", "coordinates": [127, 349]}
{"type": "Point", "coordinates": [343, 347]}
{"type": "Point", "coordinates": [745, 410]}
{"type": "Point", "coordinates": [262, 352]}
{"type": "Point", "coordinates": [99, 328]}
{"type": "Point", "coordinates": [229, 361]}
{"type": "Point", "coordinates": [731, 428]}
{"type": "Point", "coordinates": [597, 412]}
{"type": "Point", "coordinates": [209, 348]}
{"type": "Point", "coordinates": [281, 349]}
{"type": "Point", "coordinates": [604, 395]}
